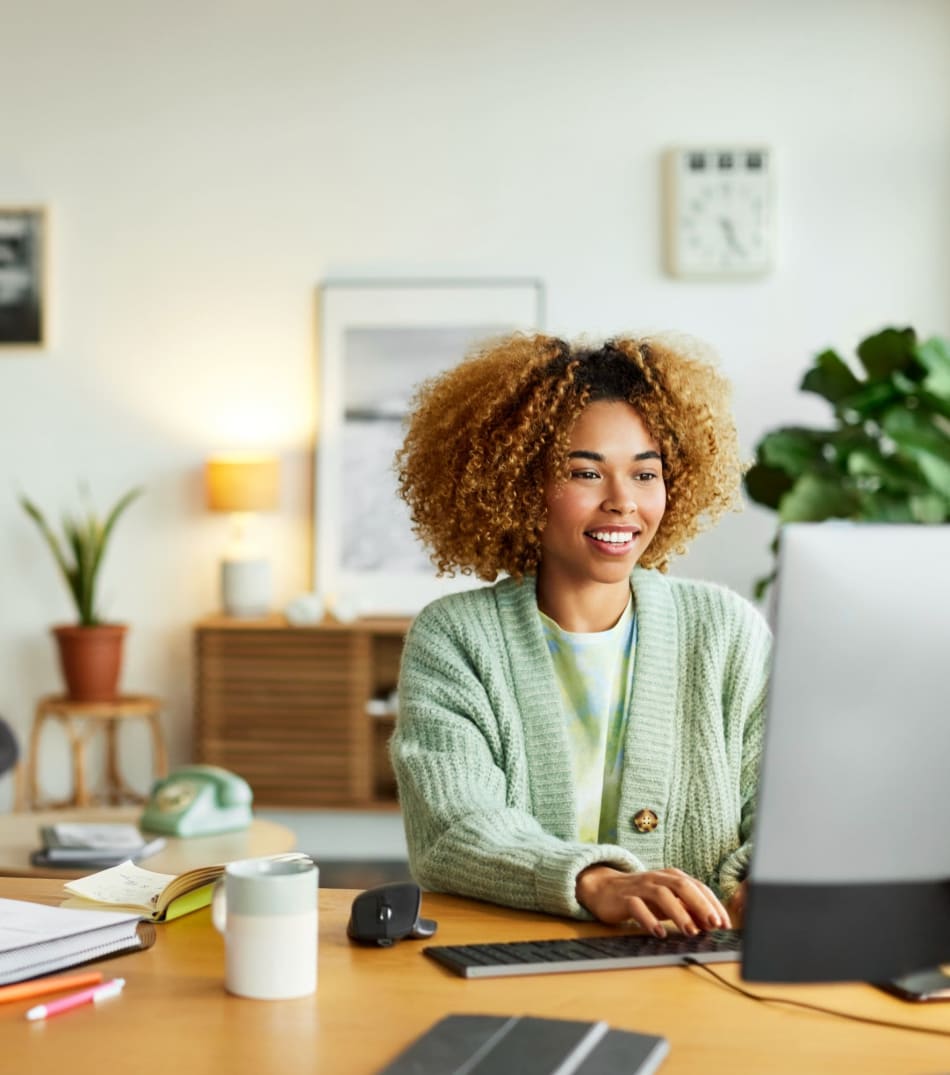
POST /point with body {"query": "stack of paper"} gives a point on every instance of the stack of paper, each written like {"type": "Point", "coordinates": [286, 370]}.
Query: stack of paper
{"type": "Point", "coordinates": [93, 845]}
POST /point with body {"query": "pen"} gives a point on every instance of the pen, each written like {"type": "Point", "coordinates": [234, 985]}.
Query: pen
{"type": "Point", "coordinates": [74, 1000]}
{"type": "Point", "coordinates": [39, 987]}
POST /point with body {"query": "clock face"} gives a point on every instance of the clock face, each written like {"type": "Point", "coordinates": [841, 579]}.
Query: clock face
{"type": "Point", "coordinates": [719, 212]}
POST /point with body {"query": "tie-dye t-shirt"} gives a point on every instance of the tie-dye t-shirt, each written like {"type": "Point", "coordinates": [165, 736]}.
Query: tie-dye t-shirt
{"type": "Point", "coordinates": [595, 675]}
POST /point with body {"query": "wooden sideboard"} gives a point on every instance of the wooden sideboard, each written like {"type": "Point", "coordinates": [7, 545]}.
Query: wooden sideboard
{"type": "Point", "coordinates": [299, 712]}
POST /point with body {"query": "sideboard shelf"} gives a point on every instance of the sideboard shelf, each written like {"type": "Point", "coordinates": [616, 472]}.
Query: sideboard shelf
{"type": "Point", "coordinates": [299, 712]}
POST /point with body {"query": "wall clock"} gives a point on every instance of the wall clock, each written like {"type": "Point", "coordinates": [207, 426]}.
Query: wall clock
{"type": "Point", "coordinates": [719, 214]}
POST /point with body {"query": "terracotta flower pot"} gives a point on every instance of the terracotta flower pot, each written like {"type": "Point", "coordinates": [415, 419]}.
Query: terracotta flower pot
{"type": "Point", "coordinates": [91, 660]}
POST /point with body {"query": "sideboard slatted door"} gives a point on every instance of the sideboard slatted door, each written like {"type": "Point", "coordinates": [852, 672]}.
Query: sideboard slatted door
{"type": "Point", "coordinates": [286, 707]}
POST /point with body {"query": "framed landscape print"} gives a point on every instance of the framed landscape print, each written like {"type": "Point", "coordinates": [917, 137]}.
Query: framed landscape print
{"type": "Point", "coordinates": [22, 276]}
{"type": "Point", "coordinates": [377, 341]}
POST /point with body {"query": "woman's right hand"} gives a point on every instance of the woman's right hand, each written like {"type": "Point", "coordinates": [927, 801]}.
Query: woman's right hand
{"type": "Point", "coordinates": [650, 898]}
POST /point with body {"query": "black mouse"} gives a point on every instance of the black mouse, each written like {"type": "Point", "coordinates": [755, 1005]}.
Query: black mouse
{"type": "Point", "coordinates": [388, 913]}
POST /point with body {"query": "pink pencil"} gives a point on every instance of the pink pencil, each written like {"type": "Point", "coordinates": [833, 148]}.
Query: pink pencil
{"type": "Point", "coordinates": [74, 1000]}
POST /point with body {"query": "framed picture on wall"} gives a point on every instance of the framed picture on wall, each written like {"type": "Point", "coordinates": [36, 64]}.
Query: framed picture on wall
{"type": "Point", "coordinates": [22, 276]}
{"type": "Point", "coordinates": [378, 340]}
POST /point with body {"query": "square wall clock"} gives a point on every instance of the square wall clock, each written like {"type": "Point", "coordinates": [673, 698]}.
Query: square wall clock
{"type": "Point", "coordinates": [719, 212]}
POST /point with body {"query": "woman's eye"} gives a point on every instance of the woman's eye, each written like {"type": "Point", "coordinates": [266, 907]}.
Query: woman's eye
{"type": "Point", "coordinates": [647, 476]}
{"type": "Point", "coordinates": [585, 474]}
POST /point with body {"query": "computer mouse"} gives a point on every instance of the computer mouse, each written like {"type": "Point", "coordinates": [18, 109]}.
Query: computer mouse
{"type": "Point", "coordinates": [388, 913]}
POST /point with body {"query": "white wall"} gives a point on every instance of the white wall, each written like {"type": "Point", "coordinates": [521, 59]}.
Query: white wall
{"type": "Point", "coordinates": [207, 165]}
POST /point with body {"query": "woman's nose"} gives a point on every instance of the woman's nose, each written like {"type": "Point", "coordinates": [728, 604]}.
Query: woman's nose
{"type": "Point", "coordinates": [620, 501]}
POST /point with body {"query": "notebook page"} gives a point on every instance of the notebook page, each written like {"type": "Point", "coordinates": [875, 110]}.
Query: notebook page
{"type": "Point", "coordinates": [125, 884]}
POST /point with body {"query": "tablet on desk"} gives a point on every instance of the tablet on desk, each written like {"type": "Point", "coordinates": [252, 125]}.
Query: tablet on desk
{"type": "Point", "coordinates": [930, 984]}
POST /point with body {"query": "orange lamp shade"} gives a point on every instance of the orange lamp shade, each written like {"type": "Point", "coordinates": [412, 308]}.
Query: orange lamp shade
{"type": "Point", "coordinates": [239, 483]}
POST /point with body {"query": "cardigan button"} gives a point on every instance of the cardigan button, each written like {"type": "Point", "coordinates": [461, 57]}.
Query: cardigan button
{"type": "Point", "coordinates": [645, 820]}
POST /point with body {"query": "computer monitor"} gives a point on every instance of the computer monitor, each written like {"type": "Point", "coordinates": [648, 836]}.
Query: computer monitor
{"type": "Point", "coordinates": [850, 871]}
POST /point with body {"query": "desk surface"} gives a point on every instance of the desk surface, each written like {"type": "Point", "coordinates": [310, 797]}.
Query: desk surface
{"type": "Point", "coordinates": [19, 835]}
{"type": "Point", "coordinates": [174, 1015]}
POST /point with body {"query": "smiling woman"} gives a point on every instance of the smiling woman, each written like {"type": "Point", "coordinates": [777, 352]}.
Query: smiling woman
{"type": "Point", "coordinates": [602, 519]}
{"type": "Point", "coordinates": [583, 736]}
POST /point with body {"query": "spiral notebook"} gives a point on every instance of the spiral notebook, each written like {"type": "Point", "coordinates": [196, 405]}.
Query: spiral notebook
{"type": "Point", "coordinates": [36, 939]}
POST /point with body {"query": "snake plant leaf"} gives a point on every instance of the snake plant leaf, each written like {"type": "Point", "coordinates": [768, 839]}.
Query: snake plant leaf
{"type": "Point", "coordinates": [79, 554]}
{"type": "Point", "coordinates": [815, 497]}
{"type": "Point", "coordinates": [51, 539]}
{"type": "Point", "coordinates": [934, 355]}
{"type": "Point", "coordinates": [103, 532]}
{"type": "Point", "coordinates": [830, 378]}
{"type": "Point", "coordinates": [887, 351]}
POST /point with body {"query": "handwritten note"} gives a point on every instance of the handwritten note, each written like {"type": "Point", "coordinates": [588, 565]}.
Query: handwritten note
{"type": "Point", "coordinates": [126, 884]}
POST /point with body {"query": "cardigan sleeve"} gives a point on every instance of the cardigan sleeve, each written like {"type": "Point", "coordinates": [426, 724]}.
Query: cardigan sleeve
{"type": "Point", "coordinates": [463, 789]}
{"type": "Point", "coordinates": [748, 704]}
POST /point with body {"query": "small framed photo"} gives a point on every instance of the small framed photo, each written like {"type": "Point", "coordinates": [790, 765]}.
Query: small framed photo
{"type": "Point", "coordinates": [378, 340]}
{"type": "Point", "coordinates": [22, 276]}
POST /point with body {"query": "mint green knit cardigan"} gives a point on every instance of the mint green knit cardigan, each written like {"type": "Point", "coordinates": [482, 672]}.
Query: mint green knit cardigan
{"type": "Point", "coordinates": [481, 753]}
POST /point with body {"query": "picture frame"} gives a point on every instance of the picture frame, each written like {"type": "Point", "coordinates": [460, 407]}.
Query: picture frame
{"type": "Point", "coordinates": [23, 239]}
{"type": "Point", "coordinates": [378, 339]}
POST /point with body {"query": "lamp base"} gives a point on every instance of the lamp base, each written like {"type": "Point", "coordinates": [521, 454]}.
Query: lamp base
{"type": "Point", "coordinates": [246, 588]}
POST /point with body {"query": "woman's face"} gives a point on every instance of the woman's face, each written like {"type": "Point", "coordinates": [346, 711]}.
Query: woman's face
{"type": "Point", "coordinates": [601, 520]}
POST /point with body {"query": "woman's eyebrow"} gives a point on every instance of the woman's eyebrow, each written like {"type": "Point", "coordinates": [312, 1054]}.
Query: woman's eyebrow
{"type": "Point", "coordinates": [598, 458]}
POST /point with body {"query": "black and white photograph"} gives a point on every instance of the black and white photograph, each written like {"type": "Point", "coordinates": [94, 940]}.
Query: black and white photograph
{"type": "Point", "coordinates": [379, 342]}
{"type": "Point", "coordinates": [22, 300]}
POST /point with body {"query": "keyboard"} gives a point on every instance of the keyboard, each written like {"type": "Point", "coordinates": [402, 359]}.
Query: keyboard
{"type": "Point", "coordinates": [585, 953]}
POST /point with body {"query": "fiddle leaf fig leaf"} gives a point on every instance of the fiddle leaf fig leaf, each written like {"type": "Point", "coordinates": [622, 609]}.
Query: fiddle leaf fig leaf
{"type": "Point", "coordinates": [793, 449]}
{"type": "Point", "coordinates": [869, 401]}
{"type": "Point", "coordinates": [934, 355]}
{"type": "Point", "coordinates": [929, 508]}
{"type": "Point", "coordinates": [884, 507]}
{"type": "Point", "coordinates": [813, 498]}
{"type": "Point", "coordinates": [767, 485]}
{"type": "Point", "coordinates": [937, 472]}
{"type": "Point", "coordinates": [830, 378]}
{"type": "Point", "coordinates": [887, 351]}
{"type": "Point", "coordinates": [888, 457]}
{"type": "Point", "coordinates": [917, 432]}
{"type": "Point", "coordinates": [893, 472]}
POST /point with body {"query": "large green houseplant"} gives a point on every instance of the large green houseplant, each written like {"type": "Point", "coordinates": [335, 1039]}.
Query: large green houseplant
{"type": "Point", "coordinates": [884, 457]}
{"type": "Point", "coordinates": [90, 651]}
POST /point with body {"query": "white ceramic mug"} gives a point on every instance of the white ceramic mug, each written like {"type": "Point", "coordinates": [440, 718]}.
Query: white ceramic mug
{"type": "Point", "coordinates": [266, 908]}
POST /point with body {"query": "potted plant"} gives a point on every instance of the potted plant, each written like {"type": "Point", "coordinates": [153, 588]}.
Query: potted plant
{"type": "Point", "coordinates": [90, 651]}
{"type": "Point", "coordinates": [886, 455]}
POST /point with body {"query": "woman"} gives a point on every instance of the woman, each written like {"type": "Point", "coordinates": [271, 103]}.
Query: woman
{"type": "Point", "coordinates": [582, 737]}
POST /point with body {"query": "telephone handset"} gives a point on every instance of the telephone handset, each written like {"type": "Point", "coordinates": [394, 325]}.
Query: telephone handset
{"type": "Point", "coordinates": [198, 800]}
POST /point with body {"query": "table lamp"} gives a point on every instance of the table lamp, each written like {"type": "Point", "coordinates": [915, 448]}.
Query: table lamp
{"type": "Point", "coordinates": [243, 485]}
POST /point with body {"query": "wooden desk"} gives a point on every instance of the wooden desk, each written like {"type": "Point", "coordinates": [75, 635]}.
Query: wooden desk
{"type": "Point", "coordinates": [19, 835]}
{"type": "Point", "coordinates": [174, 1015]}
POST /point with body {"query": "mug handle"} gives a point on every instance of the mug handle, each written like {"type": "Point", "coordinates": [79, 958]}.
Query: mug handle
{"type": "Point", "coordinates": [219, 907]}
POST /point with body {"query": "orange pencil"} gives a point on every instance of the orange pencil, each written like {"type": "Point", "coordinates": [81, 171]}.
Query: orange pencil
{"type": "Point", "coordinates": [41, 986]}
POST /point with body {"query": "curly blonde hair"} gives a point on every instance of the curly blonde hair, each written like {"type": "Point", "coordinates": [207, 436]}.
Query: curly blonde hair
{"type": "Point", "coordinates": [483, 438]}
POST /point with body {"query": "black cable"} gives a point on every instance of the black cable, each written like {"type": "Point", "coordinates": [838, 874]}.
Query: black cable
{"type": "Point", "coordinates": [689, 962]}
